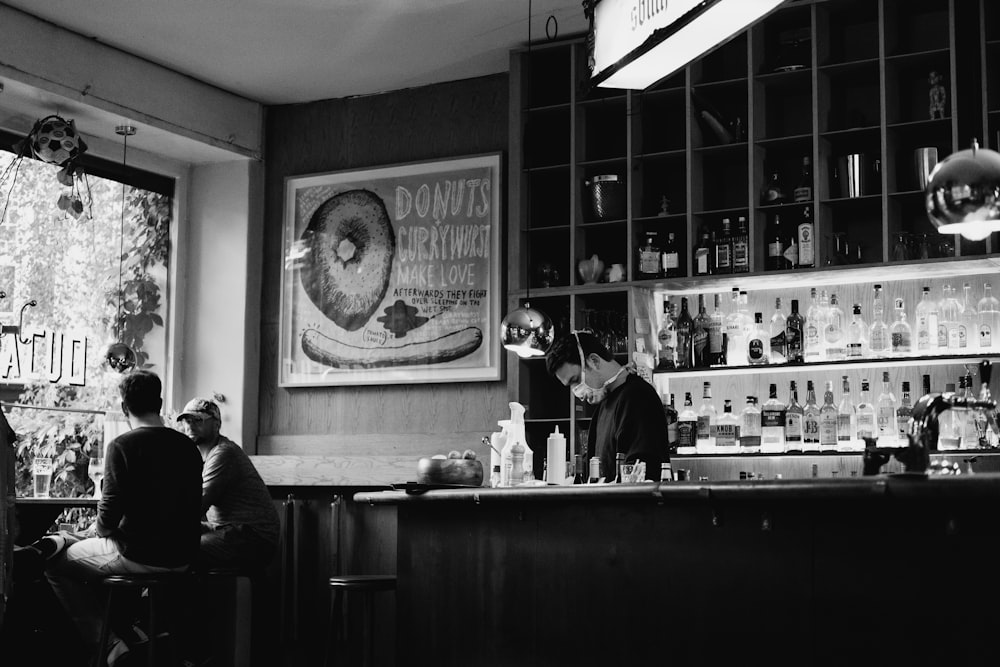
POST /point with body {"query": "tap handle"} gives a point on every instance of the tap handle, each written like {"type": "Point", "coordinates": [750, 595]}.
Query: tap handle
{"type": "Point", "coordinates": [985, 371]}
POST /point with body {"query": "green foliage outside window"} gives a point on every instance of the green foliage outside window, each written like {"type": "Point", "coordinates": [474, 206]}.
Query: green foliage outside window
{"type": "Point", "coordinates": [70, 267]}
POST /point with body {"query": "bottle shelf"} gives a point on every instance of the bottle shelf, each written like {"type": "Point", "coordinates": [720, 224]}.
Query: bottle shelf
{"type": "Point", "coordinates": [928, 269]}
{"type": "Point", "coordinates": [819, 366]}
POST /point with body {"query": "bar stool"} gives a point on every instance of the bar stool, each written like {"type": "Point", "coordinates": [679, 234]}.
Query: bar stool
{"type": "Point", "coordinates": [154, 585]}
{"type": "Point", "coordinates": [341, 588]}
{"type": "Point", "coordinates": [241, 590]}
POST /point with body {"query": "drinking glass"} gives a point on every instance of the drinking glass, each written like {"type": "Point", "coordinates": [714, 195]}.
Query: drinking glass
{"type": "Point", "coordinates": [41, 468]}
{"type": "Point", "coordinates": [95, 470]}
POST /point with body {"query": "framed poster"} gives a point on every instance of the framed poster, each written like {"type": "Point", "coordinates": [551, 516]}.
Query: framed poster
{"type": "Point", "coordinates": [392, 275]}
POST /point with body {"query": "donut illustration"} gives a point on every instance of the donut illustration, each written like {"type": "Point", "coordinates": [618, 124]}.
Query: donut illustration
{"type": "Point", "coordinates": [350, 245]}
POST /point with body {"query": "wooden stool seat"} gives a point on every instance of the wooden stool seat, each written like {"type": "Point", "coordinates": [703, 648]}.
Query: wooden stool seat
{"type": "Point", "coordinates": [365, 585]}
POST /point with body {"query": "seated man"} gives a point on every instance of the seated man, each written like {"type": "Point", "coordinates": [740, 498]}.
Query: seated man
{"type": "Point", "coordinates": [241, 527]}
{"type": "Point", "coordinates": [149, 513]}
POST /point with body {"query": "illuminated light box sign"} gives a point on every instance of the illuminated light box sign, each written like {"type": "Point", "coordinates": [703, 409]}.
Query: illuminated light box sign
{"type": "Point", "coordinates": [41, 355]}
{"type": "Point", "coordinates": [639, 42]}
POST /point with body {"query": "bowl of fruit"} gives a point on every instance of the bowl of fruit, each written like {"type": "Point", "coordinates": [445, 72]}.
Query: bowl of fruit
{"type": "Point", "coordinates": [455, 469]}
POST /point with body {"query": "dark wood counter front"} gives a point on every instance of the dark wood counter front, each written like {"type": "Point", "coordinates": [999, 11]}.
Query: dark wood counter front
{"type": "Point", "coordinates": [815, 572]}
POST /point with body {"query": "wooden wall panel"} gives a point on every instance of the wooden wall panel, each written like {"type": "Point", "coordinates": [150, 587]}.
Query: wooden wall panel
{"type": "Point", "coordinates": [446, 120]}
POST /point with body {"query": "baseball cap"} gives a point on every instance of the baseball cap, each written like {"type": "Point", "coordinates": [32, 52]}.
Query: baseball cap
{"type": "Point", "coordinates": [201, 408]}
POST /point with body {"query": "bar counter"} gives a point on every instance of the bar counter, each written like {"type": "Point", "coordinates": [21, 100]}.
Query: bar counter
{"type": "Point", "coordinates": [892, 568]}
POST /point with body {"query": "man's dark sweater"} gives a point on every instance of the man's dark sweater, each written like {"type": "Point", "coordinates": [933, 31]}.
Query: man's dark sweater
{"type": "Point", "coordinates": [151, 504]}
{"type": "Point", "coordinates": [630, 420]}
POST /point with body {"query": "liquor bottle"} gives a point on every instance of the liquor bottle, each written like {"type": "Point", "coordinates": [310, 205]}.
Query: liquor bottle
{"type": "Point", "coordinates": [807, 243]}
{"type": "Point", "coordinates": [927, 323]}
{"type": "Point", "coordinates": [949, 321]}
{"type": "Point", "coordinates": [649, 257]}
{"type": "Point", "coordinates": [794, 414]}
{"type": "Point", "coordinates": [899, 332]}
{"type": "Point", "coordinates": [903, 414]}
{"type": "Point", "coordinates": [727, 430]}
{"type": "Point", "coordinates": [707, 418]}
{"type": "Point", "coordinates": [703, 255]}
{"type": "Point", "coordinates": [885, 417]}
{"type": "Point", "coordinates": [969, 320]}
{"type": "Point", "coordinates": [804, 190]}
{"type": "Point", "coordinates": [685, 337]}
{"type": "Point", "coordinates": [989, 320]}
{"type": "Point", "coordinates": [741, 246]}
{"type": "Point", "coordinates": [986, 434]}
{"type": "Point", "coordinates": [716, 325]}
{"type": "Point", "coordinates": [847, 421]}
{"type": "Point", "coordinates": [670, 259]}
{"type": "Point", "coordinates": [595, 470]}
{"type": "Point", "coordinates": [857, 335]}
{"type": "Point", "coordinates": [670, 413]}
{"type": "Point", "coordinates": [772, 193]}
{"type": "Point", "coordinates": [878, 333]}
{"type": "Point", "coordinates": [750, 427]}
{"type": "Point", "coordinates": [667, 338]}
{"type": "Point", "coordinates": [795, 335]}
{"type": "Point", "coordinates": [779, 350]}
{"type": "Point", "coordinates": [772, 423]}
{"type": "Point", "coordinates": [702, 324]}
{"type": "Point", "coordinates": [970, 427]}
{"type": "Point", "coordinates": [724, 249]}
{"type": "Point", "coordinates": [834, 334]}
{"type": "Point", "coordinates": [810, 420]}
{"type": "Point", "coordinates": [949, 425]}
{"type": "Point", "coordinates": [687, 427]}
{"type": "Point", "coordinates": [736, 342]}
{"type": "Point", "coordinates": [774, 237]}
{"type": "Point", "coordinates": [758, 342]}
{"type": "Point", "coordinates": [866, 414]}
{"type": "Point", "coordinates": [926, 384]}
{"type": "Point", "coordinates": [815, 323]}
{"type": "Point", "coordinates": [578, 474]}
{"type": "Point", "coordinates": [619, 462]}
{"type": "Point", "coordinates": [828, 421]}
{"type": "Point", "coordinates": [791, 251]}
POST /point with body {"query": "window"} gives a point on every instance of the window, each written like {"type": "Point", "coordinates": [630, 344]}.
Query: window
{"type": "Point", "coordinates": [78, 267]}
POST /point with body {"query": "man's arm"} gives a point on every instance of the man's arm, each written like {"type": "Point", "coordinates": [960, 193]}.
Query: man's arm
{"type": "Point", "coordinates": [215, 476]}
{"type": "Point", "coordinates": [110, 509]}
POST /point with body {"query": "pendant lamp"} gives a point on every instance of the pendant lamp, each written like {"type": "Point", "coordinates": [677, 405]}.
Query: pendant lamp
{"type": "Point", "coordinates": [118, 356]}
{"type": "Point", "coordinates": [963, 193]}
{"type": "Point", "coordinates": [525, 331]}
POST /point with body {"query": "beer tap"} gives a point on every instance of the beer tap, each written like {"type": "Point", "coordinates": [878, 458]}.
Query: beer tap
{"type": "Point", "coordinates": [923, 429]}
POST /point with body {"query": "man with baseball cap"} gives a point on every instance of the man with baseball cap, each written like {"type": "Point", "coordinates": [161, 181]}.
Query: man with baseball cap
{"type": "Point", "coordinates": [241, 523]}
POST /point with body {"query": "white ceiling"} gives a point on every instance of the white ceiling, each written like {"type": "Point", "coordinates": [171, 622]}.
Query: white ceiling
{"type": "Point", "coordinates": [283, 52]}
{"type": "Point", "coordinates": [287, 51]}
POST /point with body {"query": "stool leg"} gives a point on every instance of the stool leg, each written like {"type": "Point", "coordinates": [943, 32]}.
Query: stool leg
{"type": "Point", "coordinates": [101, 660]}
{"type": "Point", "coordinates": [368, 610]}
{"type": "Point", "coordinates": [334, 643]}
{"type": "Point", "coordinates": [151, 598]}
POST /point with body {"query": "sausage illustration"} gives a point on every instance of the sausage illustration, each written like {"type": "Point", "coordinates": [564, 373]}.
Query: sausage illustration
{"type": "Point", "coordinates": [332, 352]}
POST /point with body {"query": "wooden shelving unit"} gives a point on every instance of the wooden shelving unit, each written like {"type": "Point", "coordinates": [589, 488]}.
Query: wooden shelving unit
{"type": "Point", "coordinates": [817, 78]}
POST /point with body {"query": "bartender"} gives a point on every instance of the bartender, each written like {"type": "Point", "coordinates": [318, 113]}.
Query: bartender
{"type": "Point", "coordinates": [629, 416]}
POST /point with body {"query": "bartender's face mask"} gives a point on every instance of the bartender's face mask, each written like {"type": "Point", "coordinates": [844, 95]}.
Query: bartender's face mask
{"type": "Point", "coordinates": [584, 391]}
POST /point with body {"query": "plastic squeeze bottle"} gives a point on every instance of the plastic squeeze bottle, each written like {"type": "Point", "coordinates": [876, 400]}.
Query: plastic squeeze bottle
{"type": "Point", "coordinates": [506, 442]}
{"type": "Point", "coordinates": [555, 456]}
{"type": "Point", "coordinates": [498, 444]}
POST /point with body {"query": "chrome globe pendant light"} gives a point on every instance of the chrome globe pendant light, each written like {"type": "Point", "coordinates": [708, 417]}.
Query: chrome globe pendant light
{"type": "Point", "coordinates": [118, 356]}
{"type": "Point", "coordinates": [963, 193]}
{"type": "Point", "coordinates": [526, 331]}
